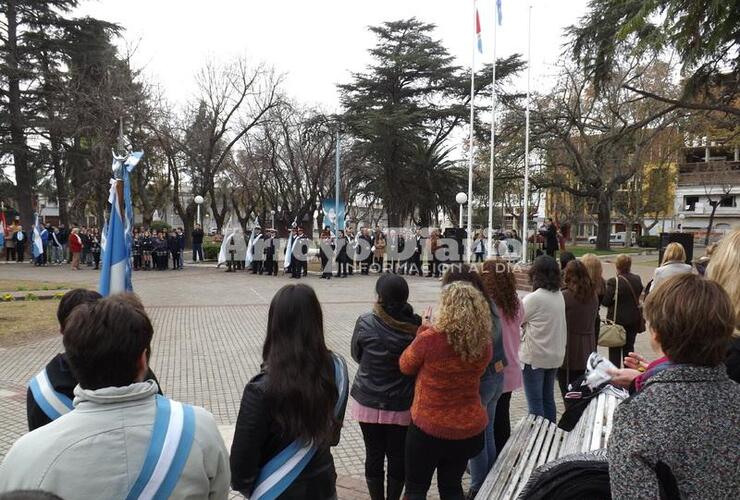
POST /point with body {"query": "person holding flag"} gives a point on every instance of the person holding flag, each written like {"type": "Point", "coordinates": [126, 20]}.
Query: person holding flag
{"type": "Point", "coordinates": [115, 274]}
{"type": "Point", "coordinates": [38, 247]}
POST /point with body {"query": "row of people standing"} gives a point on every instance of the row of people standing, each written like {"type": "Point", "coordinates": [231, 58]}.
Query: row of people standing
{"type": "Point", "coordinates": [154, 250]}
{"type": "Point", "coordinates": [78, 245]}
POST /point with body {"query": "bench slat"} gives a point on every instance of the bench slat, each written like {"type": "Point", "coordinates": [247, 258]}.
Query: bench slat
{"type": "Point", "coordinates": [505, 463]}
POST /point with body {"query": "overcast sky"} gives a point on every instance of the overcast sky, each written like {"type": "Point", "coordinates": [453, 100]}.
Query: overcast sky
{"type": "Point", "coordinates": [318, 44]}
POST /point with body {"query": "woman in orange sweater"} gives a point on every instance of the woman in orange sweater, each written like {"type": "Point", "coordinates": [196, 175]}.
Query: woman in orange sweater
{"type": "Point", "coordinates": [448, 358]}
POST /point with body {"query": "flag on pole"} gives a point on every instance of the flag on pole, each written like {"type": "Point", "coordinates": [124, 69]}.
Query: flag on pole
{"type": "Point", "coordinates": [38, 244]}
{"type": "Point", "coordinates": [3, 225]}
{"type": "Point", "coordinates": [252, 239]}
{"type": "Point", "coordinates": [498, 11]}
{"type": "Point", "coordinates": [228, 235]}
{"type": "Point", "coordinates": [115, 259]}
{"type": "Point", "coordinates": [477, 30]}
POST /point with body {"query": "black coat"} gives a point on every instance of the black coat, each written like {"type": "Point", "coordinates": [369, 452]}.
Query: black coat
{"type": "Point", "coordinates": [197, 236]}
{"type": "Point", "coordinates": [377, 343]}
{"type": "Point", "coordinates": [628, 312]}
{"type": "Point", "coordinates": [257, 440]}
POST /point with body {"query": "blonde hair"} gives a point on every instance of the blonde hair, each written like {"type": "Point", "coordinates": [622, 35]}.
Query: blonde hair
{"type": "Point", "coordinates": [595, 271]}
{"type": "Point", "coordinates": [724, 269]}
{"type": "Point", "coordinates": [465, 317]}
{"type": "Point", "coordinates": [674, 252]}
{"type": "Point", "coordinates": [623, 263]}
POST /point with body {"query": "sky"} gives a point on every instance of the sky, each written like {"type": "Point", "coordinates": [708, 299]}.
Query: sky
{"type": "Point", "coordinates": [318, 44]}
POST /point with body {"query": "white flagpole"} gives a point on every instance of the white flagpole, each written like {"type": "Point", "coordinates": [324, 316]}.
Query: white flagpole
{"type": "Point", "coordinates": [493, 139]}
{"type": "Point", "coordinates": [471, 147]}
{"type": "Point", "coordinates": [526, 140]}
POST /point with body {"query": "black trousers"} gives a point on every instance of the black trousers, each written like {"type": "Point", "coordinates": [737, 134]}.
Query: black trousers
{"type": "Point", "coordinates": [383, 441]}
{"type": "Point", "coordinates": [502, 422]}
{"type": "Point", "coordinates": [20, 251]}
{"type": "Point", "coordinates": [270, 266]}
{"type": "Point", "coordinates": [341, 267]}
{"type": "Point", "coordinates": [425, 454]}
{"type": "Point", "coordinates": [9, 254]}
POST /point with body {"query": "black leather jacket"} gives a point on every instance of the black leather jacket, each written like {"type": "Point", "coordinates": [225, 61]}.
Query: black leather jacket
{"type": "Point", "coordinates": [256, 441]}
{"type": "Point", "coordinates": [377, 343]}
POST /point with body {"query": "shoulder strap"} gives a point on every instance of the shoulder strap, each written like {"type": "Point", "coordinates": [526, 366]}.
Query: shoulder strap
{"type": "Point", "coordinates": [172, 437]}
{"type": "Point", "coordinates": [282, 469]}
{"type": "Point", "coordinates": [632, 290]}
{"type": "Point", "coordinates": [53, 403]}
{"type": "Point", "coordinates": [616, 298]}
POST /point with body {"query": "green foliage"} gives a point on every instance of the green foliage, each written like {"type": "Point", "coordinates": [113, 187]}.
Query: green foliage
{"type": "Point", "coordinates": [648, 241]}
{"type": "Point", "coordinates": [31, 297]}
{"type": "Point", "coordinates": [210, 251]}
{"type": "Point", "coordinates": [159, 225]}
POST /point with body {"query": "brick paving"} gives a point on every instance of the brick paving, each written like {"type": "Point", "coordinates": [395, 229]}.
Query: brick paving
{"type": "Point", "coordinates": [209, 329]}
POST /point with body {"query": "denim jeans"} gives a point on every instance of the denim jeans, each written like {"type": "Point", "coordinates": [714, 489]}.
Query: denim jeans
{"type": "Point", "coordinates": [491, 386]}
{"type": "Point", "coordinates": [539, 388]}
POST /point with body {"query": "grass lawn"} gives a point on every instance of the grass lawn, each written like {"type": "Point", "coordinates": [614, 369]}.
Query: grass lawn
{"type": "Point", "coordinates": [22, 321]}
{"type": "Point", "coordinates": [7, 285]}
{"type": "Point", "coordinates": [579, 251]}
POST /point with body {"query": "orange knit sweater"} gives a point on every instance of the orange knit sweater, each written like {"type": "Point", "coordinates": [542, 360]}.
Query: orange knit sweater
{"type": "Point", "coordinates": [446, 398]}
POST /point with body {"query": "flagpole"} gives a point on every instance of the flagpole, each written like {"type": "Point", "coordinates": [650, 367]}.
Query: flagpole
{"type": "Point", "coordinates": [526, 139]}
{"type": "Point", "coordinates": [493, 141]}
{"type": "Point", "coordinates": [471, 142]}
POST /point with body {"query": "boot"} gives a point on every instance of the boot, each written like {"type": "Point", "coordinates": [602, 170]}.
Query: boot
{"type": "Point", "coordinates": [395, 488]}
{"type": "Point", "coordinates": [375, 486]}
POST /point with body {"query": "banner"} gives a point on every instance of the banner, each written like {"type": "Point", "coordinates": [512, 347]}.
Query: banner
{"type": "Point", "coordinates": [330, 214]}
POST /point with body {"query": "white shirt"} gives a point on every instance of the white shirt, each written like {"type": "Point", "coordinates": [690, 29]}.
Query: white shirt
{"type": "Point", "coordinates": [544, 331]}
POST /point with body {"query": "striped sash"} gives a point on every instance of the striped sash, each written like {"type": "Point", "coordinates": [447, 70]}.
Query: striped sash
{"type": "Point", "coordinates": [54, 404]}
{"type": "Point", "coordinates": [282, 469]}
{"type": "Point", "coordinates": [172, 438]}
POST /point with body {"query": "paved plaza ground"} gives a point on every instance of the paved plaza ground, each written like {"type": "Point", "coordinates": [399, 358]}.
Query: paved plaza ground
{"type": "Point", "coordinates": [209, 328]}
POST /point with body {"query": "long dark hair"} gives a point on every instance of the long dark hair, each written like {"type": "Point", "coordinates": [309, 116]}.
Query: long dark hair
{"type": "Point", "coordinates": [301, 392]}
{"type": "Point", "coordinates": [578, 281]}
{"type": "Point", "coordinates": [545, 273]}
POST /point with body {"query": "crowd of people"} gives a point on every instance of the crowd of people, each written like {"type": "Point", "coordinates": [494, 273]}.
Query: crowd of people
{"type": "Point", "coordinates": [431, 391]}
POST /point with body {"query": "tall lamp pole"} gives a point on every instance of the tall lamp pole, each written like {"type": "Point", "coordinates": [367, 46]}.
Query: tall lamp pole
{"type": "Point", "coordinates": [198, 201]}
{"type": "Point", "coordinates": [461, 198]}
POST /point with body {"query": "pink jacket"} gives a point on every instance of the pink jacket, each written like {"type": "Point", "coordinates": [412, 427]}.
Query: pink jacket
{"type": "Point", "coordinates": [511, 332]}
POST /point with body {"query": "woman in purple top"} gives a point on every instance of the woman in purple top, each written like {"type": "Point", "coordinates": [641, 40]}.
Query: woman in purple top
{"type": "Point", "coordinates": [500, 285]}
{"type": "Point", "coordinates": [381, 394]}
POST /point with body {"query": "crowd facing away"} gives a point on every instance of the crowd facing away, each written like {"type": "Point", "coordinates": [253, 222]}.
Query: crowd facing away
{"type": "Point", "coordinates": [431, 392]}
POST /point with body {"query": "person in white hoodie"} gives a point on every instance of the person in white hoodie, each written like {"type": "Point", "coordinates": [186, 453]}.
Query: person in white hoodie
{"type": "Point", "coordinates": [121, 439]}
{"type": "Point", "coordinates": [544, 334]}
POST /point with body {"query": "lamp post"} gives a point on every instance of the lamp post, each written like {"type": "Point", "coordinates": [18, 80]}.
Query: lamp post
{"type": "Point", "coordinates": [198, 201]}
{"type": "Point", "coordinates": [272, 213]}
{"type": "Point", "coordinates": [461, 198]}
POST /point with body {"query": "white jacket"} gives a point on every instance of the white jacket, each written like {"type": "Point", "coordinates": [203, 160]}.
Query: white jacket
{"type": "Point", "coordinates": [544, 331]}
{"type": "Point", "coordinates": [98, 449]}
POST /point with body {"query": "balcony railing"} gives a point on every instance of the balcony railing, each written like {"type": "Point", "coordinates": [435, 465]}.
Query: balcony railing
{"type": "Point", "coordinates": [709, 173]}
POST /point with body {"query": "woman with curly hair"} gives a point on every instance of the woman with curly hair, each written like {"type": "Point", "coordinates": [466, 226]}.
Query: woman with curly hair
{"type": "Point", "coordinates": [448, 358]}
{"type": "Point", "coordinates": [500, 285]}
{"type": "Point", "coordinates": [581, 311]}
{"type": "Point", "coordinates": [543, 337]}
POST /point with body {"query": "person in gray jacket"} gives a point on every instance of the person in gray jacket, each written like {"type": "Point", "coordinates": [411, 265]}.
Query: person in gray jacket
{"type": "Point", "coordinates": [121, 440]}
{"type": "Point", "coordinates": [679, 435]}
{"type": "Point", "coordinates": [674, 262]}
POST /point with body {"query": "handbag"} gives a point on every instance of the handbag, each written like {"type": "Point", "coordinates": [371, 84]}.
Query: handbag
{"type": "Point", "coordinates": [611, 334]}
{"type": "Point", "coordinates": [641, 326]}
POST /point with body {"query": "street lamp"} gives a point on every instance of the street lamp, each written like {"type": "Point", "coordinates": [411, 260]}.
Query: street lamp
{"type": "Point", "coordinates": [198, 201]}
{"type": "Point", "coordinates": [272, 213]}
{"type": "Point", "coordinates": [461, 198]}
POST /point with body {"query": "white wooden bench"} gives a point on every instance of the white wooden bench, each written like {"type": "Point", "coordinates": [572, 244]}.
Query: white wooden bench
{"type": "Point", "coordinates": [536, 441]}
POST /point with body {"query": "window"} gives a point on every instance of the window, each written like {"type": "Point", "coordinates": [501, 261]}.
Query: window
{"type": "Point", "coordinates": [727, 201]}
{"type": "Point", "coordinates": [690, 202]}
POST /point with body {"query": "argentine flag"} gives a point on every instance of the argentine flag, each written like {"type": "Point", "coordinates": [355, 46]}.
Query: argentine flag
{"type": "Point", "coordinates": [115, 259]}
{"type": "Point", "coordinates": [38, 243]}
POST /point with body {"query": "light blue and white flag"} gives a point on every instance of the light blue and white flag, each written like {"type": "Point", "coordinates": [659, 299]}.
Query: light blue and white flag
{"type": "Point", "coordinates": [498, 11]}
{"type": "Point", "coordinates": [115, 259]}
{"type": "Point", "coordinates": [252, 238]}
{"type": "Point", "coordinates": [38, 243]}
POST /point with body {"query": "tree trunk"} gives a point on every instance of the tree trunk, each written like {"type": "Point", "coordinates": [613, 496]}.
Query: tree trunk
{"type": "Point", "coordinates": [24, 178]}
{"type": "Point", "coordinates": [61, 181]}
{"type": "Point", "coordinates": [711, 222]}
{"type": "Point", "coordinates": [604, 207]}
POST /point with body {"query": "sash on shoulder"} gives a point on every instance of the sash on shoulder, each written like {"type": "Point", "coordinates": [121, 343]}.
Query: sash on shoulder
{"type": "Point", "coordinates": [172, 438]}
{"type": "Point", "coordinates": [54, 404]}
{"type": "Point", "coordinates": [282, 469]}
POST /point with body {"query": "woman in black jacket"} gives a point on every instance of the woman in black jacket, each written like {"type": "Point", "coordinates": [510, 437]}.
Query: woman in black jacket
{"type": "Point", "coordinates": [293, 409]}
{"type": "Point", "coordinates": [627, 303]}
{"type": "Point", "coordinates": [382, 394]}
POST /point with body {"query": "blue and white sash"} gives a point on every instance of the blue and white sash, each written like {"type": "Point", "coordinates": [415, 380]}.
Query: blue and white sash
{"type": "Point", "coordinates": [282, 469]}
{"type": "Point", "coordinates": [172, 438]}
{"type": "Point", "coordinates": [54, 404]}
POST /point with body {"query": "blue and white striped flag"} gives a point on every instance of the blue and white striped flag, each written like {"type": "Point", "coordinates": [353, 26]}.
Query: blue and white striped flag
{"type": "Point", "coordinates": [115, 259]}
{"type": "Point", "coordinates": [498, 11]}
{"type": "Point", "coordinates": [38, 243]}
